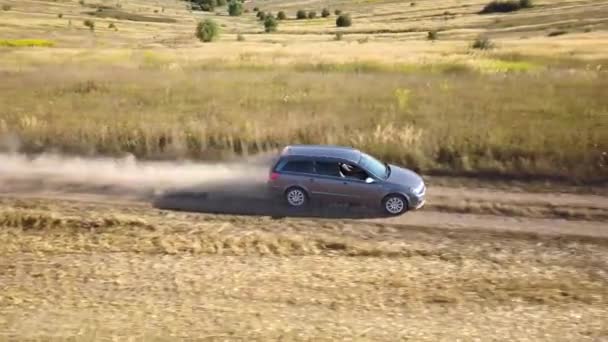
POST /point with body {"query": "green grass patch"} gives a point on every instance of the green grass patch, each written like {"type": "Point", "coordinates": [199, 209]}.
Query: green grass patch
{"type": "Point", "coordinates": [26, 43]}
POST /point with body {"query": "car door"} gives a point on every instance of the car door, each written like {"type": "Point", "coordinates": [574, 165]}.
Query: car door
{"type": "Point", "coordinates": [357, 188]}
{"type": "Point", "coordinates": [328, 183]}
{"type": "Point", "coordinates": [297, 171]}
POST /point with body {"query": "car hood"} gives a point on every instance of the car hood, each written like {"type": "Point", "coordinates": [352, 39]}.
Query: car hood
{"type": "Point", "coordinates": [404, 177]}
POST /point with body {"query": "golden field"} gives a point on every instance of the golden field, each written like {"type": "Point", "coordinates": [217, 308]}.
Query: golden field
{"type": "Point", "coordinates": [531, 107]}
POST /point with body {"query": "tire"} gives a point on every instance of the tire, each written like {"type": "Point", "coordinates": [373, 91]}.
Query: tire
{"type": "Point", "coordinates": [296, 197]}
{"type": "Point", "coordinates": [394, 204]}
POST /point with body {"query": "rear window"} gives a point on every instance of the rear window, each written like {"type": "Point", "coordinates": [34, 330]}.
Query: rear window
{"type": "Point", "coordinates": [302, 166]}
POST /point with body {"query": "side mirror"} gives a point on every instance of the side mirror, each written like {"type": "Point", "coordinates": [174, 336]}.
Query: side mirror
{"type": "Point", "coordinates": [369, 180]}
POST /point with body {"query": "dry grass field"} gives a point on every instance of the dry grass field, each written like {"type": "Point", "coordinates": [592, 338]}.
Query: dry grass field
{"type": "Point", "coordinates": [533, 106]}
{"type": "Point", "coordinates": [522, 260]}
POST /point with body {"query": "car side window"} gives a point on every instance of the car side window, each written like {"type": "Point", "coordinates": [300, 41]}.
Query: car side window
{"type": "Point", "coordinates": [352, 171]}
{"type": "Point", "coordinates": [327, 168]}
{"type": "Point", "coordinates": [299, 166]}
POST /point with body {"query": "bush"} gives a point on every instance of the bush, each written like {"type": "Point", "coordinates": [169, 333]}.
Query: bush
{"type": "Point", "coordinates": [338, 36]}
{"type": "Point", "coordinates": [312, 15]}
{"type": "Point", "coordinates": [557, 33]}
{"type": "Point", "coordinates": [90, 24]}
{"type": "Point", "coordinates": [256, 9]}
{"type": "Point", "coordinates": [482, 43]}
{"type": "Point", "coordinates": [432, 35]}
{"type": "Point", "coordinates": [281, 15]}
{"type": "Point", "coordinates": [221, 3]}
{"type": "Point", "coordinates": [240, 38]}
{"type": "Point", "coordinates": [60, 15]}
{"type": "Point", "coordinates": [260, 14]}
{"type": "Point", "coordinates": [502, 6]}
{"type": "Point", "coordinates": [81, 2]}
{"type": "Point", "coordinates": [343, 20]}
{"type": "Point", "coordinates": [301, 14]}
{"type": "Point", "coordinates": [412, 4]}
{"type": "Point", "coordinates": [337, 12]}
{"type": "Point", "coordinates": [207, 7]}
{"type": "Point", "coordinates": [112, 26]}
{"type": "Point", "coordinates": [270, 24]}
{"type": "Point", "coordinates": [6, 7]}
{"type": "Point", "coordinates": [526, 3]}
{"type": "Point", "coordinates": [325, 13]}
{"type": "Point", "coordinates": [207, 30]}
{"type": "Point", "coordinates": [235, 8]}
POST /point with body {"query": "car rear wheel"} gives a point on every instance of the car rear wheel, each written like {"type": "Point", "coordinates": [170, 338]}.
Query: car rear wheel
{"type": "Point", "coordinates": [394, 204]}
{"type": "Point", "coordinates": [296, 197]}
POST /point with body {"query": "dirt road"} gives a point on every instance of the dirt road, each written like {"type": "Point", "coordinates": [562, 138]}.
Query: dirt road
{"type": "Point", "coordinates": [200, 254]}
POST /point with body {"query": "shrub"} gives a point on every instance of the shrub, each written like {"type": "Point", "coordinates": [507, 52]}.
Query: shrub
{"type": "Point", "coordinates": [207, 30]}
{"type": "Point", "coordinates": [432, 35]}
{"type": "Point", "coordinates": [260, 14]}
{"type": "Point", "coordinates": [482, 43]}
{"type": "Point", "coordinates": [526, 3]}
{"type": "Point", "coordinates": [412, 4]}
{"type": "Point", "coordinates": [504, 6]}
{"type": "Point", "coordinates": [240, 38]}
{"type": "Point", "coordinates": [90, 24]}
{"type": "Point", "coordinates": [6, 7]}
{"type": "Point", "coordinates": [221, 3]}
{"type": "Point", "coordinates": [81, 2]}
{"type": "Point", "coordinates": [235, 8]}
{"type": "Point", "coordinates": [255, 9]}
{"type": "Point", "coordinates": [337, 12]}
{"type": "Point", "coordinates": [343, 20]}
{"type": "Point", "coordinates": [270, 24]}
{"type": "Point", "coordinates": [281, 15]}
{"type": "Point", "coordinates": [338, 36]}
{"type": "Point", "coordinates": [301, 14]}
{"type": "Point", "coordinates": [557, 33]}
{"type": "Point", "coordinates": [325, 13]}
{"type": "Point", "coordinates": [207, 7]}
{"type": "Point", "coordinates": [112, 26]}
{"type": "Point", "coordinates": [312, 15]}
{"type": "Point", "coordinates": [60, 15]}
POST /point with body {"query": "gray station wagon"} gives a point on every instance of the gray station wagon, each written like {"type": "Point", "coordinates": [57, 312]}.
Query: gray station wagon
{"type": "Point", "coordinates": [305, 173]}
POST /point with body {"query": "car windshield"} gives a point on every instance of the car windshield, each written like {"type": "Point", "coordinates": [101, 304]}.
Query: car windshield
{"type": "Point", "coordinates": [374, 166]}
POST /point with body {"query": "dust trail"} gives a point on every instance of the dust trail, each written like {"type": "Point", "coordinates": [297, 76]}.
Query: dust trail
{"type": "Point", "coordinates": [121, 176]}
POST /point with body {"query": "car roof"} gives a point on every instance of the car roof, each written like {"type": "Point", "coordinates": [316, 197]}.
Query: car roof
{"type": "Point", "coordinates": [328, 151]}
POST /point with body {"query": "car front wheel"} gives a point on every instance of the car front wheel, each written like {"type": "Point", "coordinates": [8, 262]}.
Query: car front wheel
{"type": "Point", "coordinates": [394, 204]}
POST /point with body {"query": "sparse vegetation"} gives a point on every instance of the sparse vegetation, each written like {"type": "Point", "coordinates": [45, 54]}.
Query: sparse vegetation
{"type": "Point", "coordinates": [301, 14]}
{"type": "Point", "coordinates": [255, 9]}
{"type": "Point", "coordinates": [270, 24]}
{"type": "Point", "coordinates": [207, 30]}
{"type": "Point", "coordinates": [90, 24]}
{"type": "Point", "coordinates": [240, 38]}
{"type": "Point", "coordinates": [281, 15]}
{"type": "Point", "coordinates": [482, 43]}
{"type": "Point", "coordinates": [6, 7]}
{"type": "Point", "coordinates": [26, 43]}
{"type": "Point", "coordinates": [343, 20]}
{"type": "Point", "coordinates": [312, 15]}
{"type": "Point", "coordinates": [60, 15]}
{"type": "Point", "coordinates": [112, 26]}
{"type": "Point", "coordinates": [120, 15]}
{"type": "Point", "coordinates": [432, 35]}
{"type": "Point", "coordinates": [325, 13]}
{"type": "Point", "coordinates": [338, 36]}
{"type": "Point", "coordinates": [337, 12]}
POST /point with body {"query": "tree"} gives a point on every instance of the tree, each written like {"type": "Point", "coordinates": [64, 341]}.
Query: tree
{"type": "Point", "coordinates": [301, 14]}
{"type": "Point", "coordinates": [235, 8]}
{"type": "Point", "coordinates": [270, 24]}
{"type": "Point", "coordinates": [312, 15]}
{"type": "Point", "coordinates": [281, 15]}
{"type": "Point", "coordinates": [344, 20]}
{"type": "Point", "coordinates": [207, 30]}
{"type": "Point", "coordinates": [325, 13]}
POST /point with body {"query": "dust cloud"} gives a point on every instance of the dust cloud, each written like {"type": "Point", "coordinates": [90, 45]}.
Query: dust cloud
{"type": "Point", "coordinates": [127, 177]}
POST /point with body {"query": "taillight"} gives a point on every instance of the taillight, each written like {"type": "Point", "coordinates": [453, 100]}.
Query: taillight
{"type": "Point", "coordinates": [273, 176]}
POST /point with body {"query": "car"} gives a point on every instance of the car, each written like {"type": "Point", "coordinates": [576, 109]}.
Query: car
{"type": "Point", "coordinates": [302, 174]}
